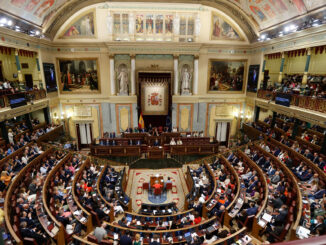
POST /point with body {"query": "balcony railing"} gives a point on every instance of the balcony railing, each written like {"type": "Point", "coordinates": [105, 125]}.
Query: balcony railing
{"type": "Point", "coordinates": [306, 102]}
{"type": "Point", "coordinates": [29, 95]}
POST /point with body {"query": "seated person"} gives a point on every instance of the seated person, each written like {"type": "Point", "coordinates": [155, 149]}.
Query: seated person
{"type": "Point", "coordinates": [179, 142]}
{"type": "Point", "coordinates": [168, 181]}
{"type": "Point", "coordinates": [156, 143]}
{"type": "Point", "coordinates": [172, 142]}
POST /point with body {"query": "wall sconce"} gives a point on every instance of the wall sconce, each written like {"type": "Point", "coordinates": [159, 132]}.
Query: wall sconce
{"type": "Point", "coordinates": [69, 115]}
{"type": "Point", "coordinates": [238, 114]}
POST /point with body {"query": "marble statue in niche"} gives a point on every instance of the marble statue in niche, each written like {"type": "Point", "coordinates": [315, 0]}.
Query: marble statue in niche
{"type": "Point", "coordinates": [197, 26]}
{"type": "Point", "coordinates": [176, 25]}
{"type": "Point", "coordinates": [186, 77]}
{"type": "Point", "coordinates": [109, 23]}
{"type": "Point", "coordinates": [123, 79]}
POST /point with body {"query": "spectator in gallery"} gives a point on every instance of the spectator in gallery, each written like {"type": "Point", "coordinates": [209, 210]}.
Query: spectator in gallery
{"type": "Point", "coordinates": [130, 142]}
{"type": "Point", "coordinates": [138, 142]}
{"type": "Point", "coordinates": [174, 129]}
{"type": "Point", "coordinates": [179, 142]}
{"type": "Point", "coordinates": [172, 142]}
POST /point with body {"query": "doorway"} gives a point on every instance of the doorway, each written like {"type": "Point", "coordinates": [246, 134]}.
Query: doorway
{"type": "Point", "coordinates": [222, 132]}
{"type": "Point", "coordinates": [84, 135]}
{"type": "Point", "coordinates": [1, 74]}
{"type": "Point", "coordinates": [29, 81]}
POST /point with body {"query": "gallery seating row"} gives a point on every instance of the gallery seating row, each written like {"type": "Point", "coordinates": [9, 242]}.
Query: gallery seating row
{"type": "Point", "coordinates": [234, 179]}
{"type": "Point", "coordinates": [296, 157]}
{"type": "Point", "coordinates": [11, 209]}
{"type": "Point", "coordinates": [251, 222]}
{"type": "Point", "coordinates": [294, 197]}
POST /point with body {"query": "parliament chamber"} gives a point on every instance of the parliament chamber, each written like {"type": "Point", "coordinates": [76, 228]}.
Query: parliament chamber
{"type": "Point", "coordinates": [163, 122]}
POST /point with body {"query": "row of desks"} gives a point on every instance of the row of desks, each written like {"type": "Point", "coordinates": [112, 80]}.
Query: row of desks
{"type": "Point", "coordinates": [147, 139]}
{"type": "Point", "coordinates": [154, 151]}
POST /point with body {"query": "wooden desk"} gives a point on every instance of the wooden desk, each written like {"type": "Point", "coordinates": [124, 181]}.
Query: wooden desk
{"type": "Point", "coordinates": [155, 152]}
{"type": "Point", "coordinates": [154, 178]}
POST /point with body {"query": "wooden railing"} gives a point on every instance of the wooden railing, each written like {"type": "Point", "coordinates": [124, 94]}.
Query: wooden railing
{"type": "Point", "coordinates": [61, 233]}
{"type": "Point", "coordinates": [300, 158]}
{"type": "Point", "coordinates": [292, 153]}
{"type": "Point", "coordinates": [89, 223]}
{"type": "Point", "coordinates": [260, 173]}
{"type": "Point", "coordinates": [98, 189]}
{"type": "Point", "coordinates": [306, 102]}
{"type": "Point", "coordinates": [53, 134]}
{"type": "Point", "coordinates": [34, 95]}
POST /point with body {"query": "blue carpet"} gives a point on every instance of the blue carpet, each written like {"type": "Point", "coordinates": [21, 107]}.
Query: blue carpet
{"type": "Point", "coordinates": [157, 199]}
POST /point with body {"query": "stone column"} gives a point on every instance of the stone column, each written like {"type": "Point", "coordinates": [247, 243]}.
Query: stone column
{"type": "Point", "coordinates": [306, 69]}
{"type": "Point", "coordinates": [112, 77]}
{"type": "Point", "coordinates": [133, 74]}
{"type": "Point", "coordinates": [195, 81]}
{"type": "Point", "coordinates": [20, 75]}
{"type": "Point", "coordinates": [281, 68]}
{"type": "Point", "coordinates": [176, 74]}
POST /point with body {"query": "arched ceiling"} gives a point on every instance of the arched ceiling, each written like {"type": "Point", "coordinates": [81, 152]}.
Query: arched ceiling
{"type": "Point", "coordinates": [251, 15]}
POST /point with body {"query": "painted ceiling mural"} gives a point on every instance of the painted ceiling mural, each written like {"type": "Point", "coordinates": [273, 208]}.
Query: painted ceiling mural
{"type": "Point", "coordinates": [265, 12]}
{"type": "Point", "coordinates": [271, 12]}
{"type": "Point", "coordinates": [36, 11]}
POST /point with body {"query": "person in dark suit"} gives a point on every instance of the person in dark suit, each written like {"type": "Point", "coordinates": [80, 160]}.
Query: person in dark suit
{"type": "Point", "coordinates": [125, 239]}
{"type": "Point", "coordinates": [255, 157]}
{"type": "Point", "coordinates": [252, 210]}
{"type": "Point", "coordinates": [316, 158]}
{"type": "Point", "coordinates": [280, 215]}
{"type": "Point", "coordinates": [155, 241]}
{"type": "Point", "coordinates": [276, 152]}
{"type": "Point", "coordinates": [31, 233]}
{"type": "Point", "coordinates": [308, 155]}
{"type": "Point", "coordinates": [230, 157]}
{"type": "Point", "coordinates": [156, 143]}
{"type": "Point", "coordinates": [322, 163]}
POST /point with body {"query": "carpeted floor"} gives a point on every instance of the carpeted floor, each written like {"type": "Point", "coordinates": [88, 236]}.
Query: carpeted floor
{"type": "Point", "coordinates": [135, 187]}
